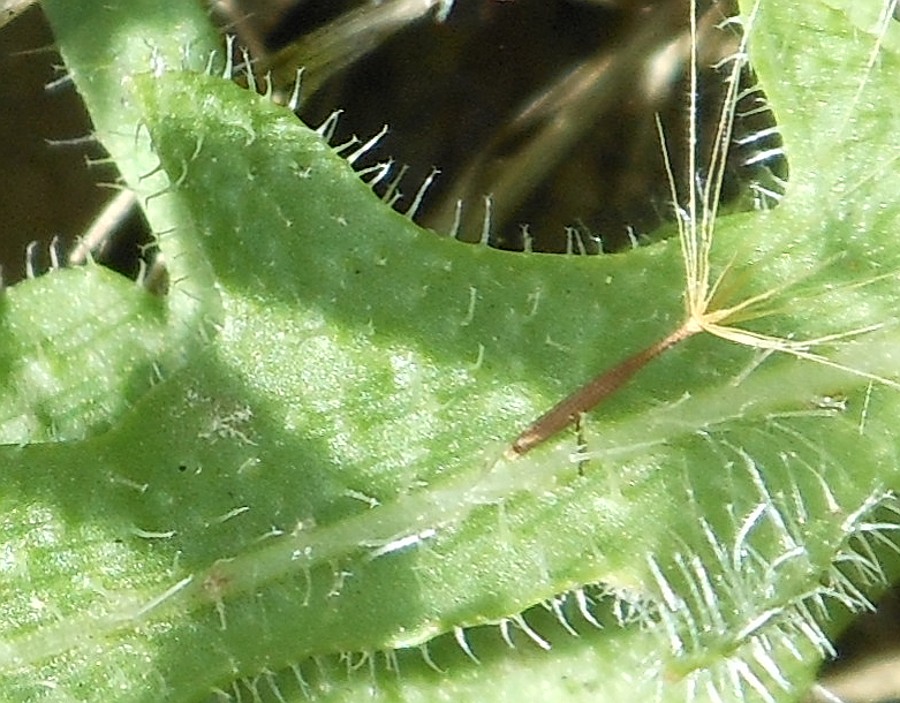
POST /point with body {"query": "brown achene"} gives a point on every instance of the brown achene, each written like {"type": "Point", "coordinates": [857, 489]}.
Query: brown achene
{"type": "Point", "coordinates": [570, 408]}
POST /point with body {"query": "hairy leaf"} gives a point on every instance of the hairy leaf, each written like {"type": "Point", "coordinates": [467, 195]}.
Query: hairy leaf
{"type": "Point", "coordinates": [320, 469]}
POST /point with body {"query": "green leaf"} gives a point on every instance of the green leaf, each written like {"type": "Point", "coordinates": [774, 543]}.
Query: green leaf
{"type": "Point", "coordinates": [78, 347]}
{"type": "Point", "coordinates": [320, 469]}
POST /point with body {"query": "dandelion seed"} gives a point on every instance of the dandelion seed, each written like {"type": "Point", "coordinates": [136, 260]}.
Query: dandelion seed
{"type": "Point", "coordinates": [703, 312]}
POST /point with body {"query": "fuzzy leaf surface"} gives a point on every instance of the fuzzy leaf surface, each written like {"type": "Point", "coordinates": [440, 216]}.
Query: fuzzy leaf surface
{"type": "Point", "coordinates": [324, 473]}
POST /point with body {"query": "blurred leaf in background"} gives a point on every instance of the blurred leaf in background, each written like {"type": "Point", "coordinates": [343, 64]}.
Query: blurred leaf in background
{"type": "Point", "coordinates": [548, 107]}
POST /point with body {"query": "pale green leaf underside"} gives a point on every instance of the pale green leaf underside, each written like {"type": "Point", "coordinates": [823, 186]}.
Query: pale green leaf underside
{"type": "Point", "coordinates": [323, 473]}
